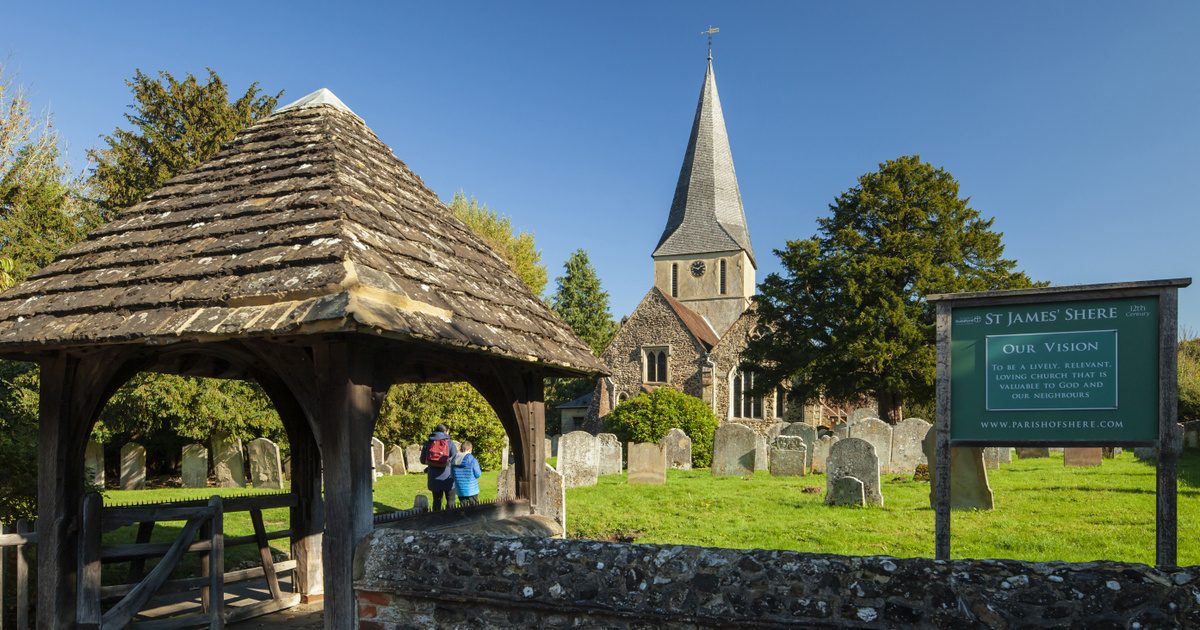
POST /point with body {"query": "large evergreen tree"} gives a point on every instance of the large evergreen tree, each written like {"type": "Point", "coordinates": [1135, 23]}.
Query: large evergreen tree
{"type": "Point", "coordinates": [848, 318]}
{"type": "Point", "coordinates": [580, 301]}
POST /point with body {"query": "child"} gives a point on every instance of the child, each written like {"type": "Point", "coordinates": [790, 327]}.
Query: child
{"type": "Point", "coordinates": [466, 476]}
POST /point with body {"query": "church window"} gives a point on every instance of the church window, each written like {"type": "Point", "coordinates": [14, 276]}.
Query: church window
{"type": "Point", "coordinates": [746, 405]}
{"type": "Point", "coordinates": [662, 366]}
{"type": "Point", "coordinates": [655, 360]}
{"type": "Point", "coordinates": [622, 397]}
{"type": "Point", "coordinates": [722, 276]}
{"type": "Point", "coordinates": [674, 279]}
{"type": "Point", "coordinates": [780, 397]}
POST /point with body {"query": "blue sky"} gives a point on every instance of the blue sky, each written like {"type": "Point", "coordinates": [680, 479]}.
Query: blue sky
{"type": "Point", "coordinates": [1075, 124]}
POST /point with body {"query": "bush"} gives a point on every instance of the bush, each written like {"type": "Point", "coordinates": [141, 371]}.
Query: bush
{"type": "Point", "coordinates": [1189, 380]}
{"type": "Point", "coordinates": [648, 418]}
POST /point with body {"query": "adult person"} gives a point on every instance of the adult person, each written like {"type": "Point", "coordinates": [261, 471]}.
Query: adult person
{"type": "Point", "coordinates": [466, 476]}
{"type": "Point", "coordinates": [437, 454]}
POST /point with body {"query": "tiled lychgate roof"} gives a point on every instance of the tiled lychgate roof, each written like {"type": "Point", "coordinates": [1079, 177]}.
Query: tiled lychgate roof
{"type": "Point", "coordinates": [305, 223]}
{"type": "Point", "coordinates": [706, 213]}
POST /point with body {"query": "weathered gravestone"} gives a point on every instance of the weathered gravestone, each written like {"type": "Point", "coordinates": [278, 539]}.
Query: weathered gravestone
{"type": "Point", "coordinates": [841, 430]}
{"type": "Point", "coordinates": [1146, 453]}
{"type": "Point", "coordinates": [1004, 454]}
{"type": "Point", "coordinates": [734, 448]}
{"type": "Point", "coordinates": [133, 466]}
{"type": "Point", "coordinates": [548, 446]}
{"type": "Point", "coordinates": [906, 445]}
{"type": "Point", "coordinates": [860, 414]}
{"type": "Point", "coordinates": [677, 448]}
{"type": "Point", "coordinates": [610, 454]}
{"type": "Point", "coordinates": [377, 456]}
{"type": "Point", "coordinates": [879, 434]}
{"type": "Point", "coordinates": [820, 457]}
{"type": "Point", "coordinates": [579, 459]}
{"type": "Point", "coordinates": [969, 487]}
{"type": "Point", "coordinates": [194, 465]}
{"type": "Point", "coordinates": [412, 458]}
{"type": "Point", "coordinates": [647, 463]}
{"type": "Point", "coordinates": [854, 457]}
{"type": "Point", "coordinates": [1032, 452]}
{"type": "Point", "coordinates": [991, 458]}
{"type": "Point", "coordinates": [553, 503]}
{"type": "Point", "coordinates": [553, 444]}
{"type": "Point", "coordinates": [788, 456]}
{"type": "Point", "coordinates": [762, 452]}
{"type": "Point", "coordinates": [504, 454]}
{"type": "Point", "coordinates": [93, 463]}
{"type": "Point", "coordinates": [229, 466]}
{"type": "Point", "coordinates": [395, 459]}
{"type": "Point", "coordinates": [266, 470]}
{"type": "Point", "coordinates": [421, 502]}
{"type": "Point", "coordinates": [506, 484]}
{"type": "Point", "coordinates": [1191, 434]}
{"type": "Point", "coordinates": [775, 430]}
{"type": "Point", "coordinates": [1083, 456]}
{"type": "Point", "coordinates": [808, 433]}
{"type": "Point", "coordinates": [847, 491]}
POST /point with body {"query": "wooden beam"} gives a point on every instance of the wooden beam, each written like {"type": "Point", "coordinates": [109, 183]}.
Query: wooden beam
{"type": "Point", "coordinates": [1169, 439]}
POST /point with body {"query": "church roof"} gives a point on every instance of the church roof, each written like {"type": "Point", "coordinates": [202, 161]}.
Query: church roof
{"type": "Point", "coordinates": [694, 322]}
{"type": "Point", "coordinates": [306, 223]}
{"type": "Point", "coordinates": [706, 213]}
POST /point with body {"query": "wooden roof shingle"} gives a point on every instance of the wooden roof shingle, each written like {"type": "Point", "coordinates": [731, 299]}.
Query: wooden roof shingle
{"type": "Point", "coordinates": [306, 223]}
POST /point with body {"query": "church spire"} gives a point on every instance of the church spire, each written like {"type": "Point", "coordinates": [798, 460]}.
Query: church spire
{"type": "Point", "coordinates": [706, 214]}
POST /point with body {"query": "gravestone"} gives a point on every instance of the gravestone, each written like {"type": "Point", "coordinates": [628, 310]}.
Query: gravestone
{"type": "Point", "coordinates": [1004, 454]}
{"type": "Point", "coordinates": [421, 502]}
{"type": "Point", "coordinates": [1191, 434]}
{"type": "Point", "coordinates": [860, 414]}
{"type": "Point", "coordinates": [412, 458]}
{"type": "Point", "coordinates": [734, 448]}
{"type": "Point", "coordinates": [93, 463]}
{"type": "Point", "coordinates": [762, 452]}
{"type": "Point", "coordinates": [841, 430]}
{"type": "Point", "coordinates": [879, 434]}
{"type": "Point", "coordinates": [808, 433]}
{"type": "Point", "coordinates": [969, 487]}
{"type": "Point", "coordinates": [229, 465]}
{"type": "Point", "coordinates": [788, 456]}
{"type": "Point", "coordinates": [610, 454]}
{"type": "Point", "coordinates": [1083, 456]}
{"type": "Point", "coordinates": [647, 463]}
{"type": "Point", "coordinates": [854, 457]}
{"type": "Point", "coordinates": [504, 453]}
{"type": "Point", "coordinates": [1032, 452]}
{"type": "Point", "coordinates": [1146, 453]}
{"type": "Point", "coordinates": [553, 503]}
{"type": "Point", "coordinates": [820, 458]}
{"type": "Point", "coordinates": [266, 470]}
{"type": "Point", "coordinates": [847, 491]}
{"type": "Point", "coordinates": [775, 430]}
{"type": "Point", "coordinates": [991, 458]}
{"type": "Point", "coordinates": [579, 459]}
{"type": "Point", "coordinates": [194, 465]}
{"type": "Point", "coordinates": [133, 467]}
{"type": "Point", "coordinates": [377, 455]}
{"type": "Point", "coordinates": [553, 444]}
{"type": "Point", "coordinates": [395, 459]}
{"type": "Point", "coordinates": [677, 448]}
{"type": "Point", "coordinates": [548, 447]}
{"type": "Point", "coordinates": [506, 484]}
{"type": "Point", "coordinates": [906, 445]}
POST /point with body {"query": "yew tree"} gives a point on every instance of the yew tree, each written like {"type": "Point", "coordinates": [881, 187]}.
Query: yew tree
{"type": "Point", "coordinates": [847, 317]}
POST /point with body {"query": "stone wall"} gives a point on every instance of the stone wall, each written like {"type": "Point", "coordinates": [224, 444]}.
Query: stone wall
{"type": "Point", "coordinates": [654, 323]}
{"type": "Point", "coordinates": [419, 580]}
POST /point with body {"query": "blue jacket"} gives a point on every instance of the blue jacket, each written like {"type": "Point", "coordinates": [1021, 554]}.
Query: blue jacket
{"type": "Point", "coordinates": [439, 478]}
{"type": "Point", "coordinates": [466, 474]}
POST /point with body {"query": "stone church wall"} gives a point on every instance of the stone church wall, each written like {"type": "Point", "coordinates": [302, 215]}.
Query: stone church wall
{"type": "Point", "coordinates": [726, 355]}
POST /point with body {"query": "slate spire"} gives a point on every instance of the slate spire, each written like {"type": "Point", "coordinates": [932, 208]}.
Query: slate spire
{"type": "Point", "coordinates": [706, 214]}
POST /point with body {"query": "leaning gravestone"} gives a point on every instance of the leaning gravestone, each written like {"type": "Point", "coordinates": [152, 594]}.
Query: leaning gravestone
{"type": "Point", "coordinates": [266, 471]}
{"type": "Point", "coordinates": [133, 466]}
{"type": "Point", "coordinates": [848, 491]}
{"type": "Point", "coordinates": [854, 457]}
{"type": "Point", "coordinates": [647, 463]}
{"type": "Point", "coordinates": [579, 459]}
{"type": "Point", "coordinates": [677, 447]}
{"type": "Point", "coordinates": [412, 458]}
{"type": "Point", "coordinates": [969, 487]}
{"type": "Point", "coordinates": [808, 433]}
{"type": "Point", "coordinates": [734, 449]}
{"type": "Point", "coordinates": [194, 464]}
{"type": "Point", "coordinates": [906, 445]}
{"type": "Point", "coordinates": [395, 459]}
{"type": "Point", "coordinates": [93, 463]}
{"type": "Point", "coordinates": [229, 466]}
{"type": "Point", "coordinates": [788, 456]}
{"type": "Point", "coordinates": [820, 458]}
{"type": "Point", "coordinates": [610, 454]}
{"type": "Point", "coordinates": [1083, 456]}
{"type": "Point", "coordinates": [860, 414]}
{"type": "Point", "coordinates": [1032, 452]}
{"type": "Point", "coordinates": [991, 458]}
{"type": "Point", "coordinates": [879, 434]}
{"type": "Point", "coordinates": [762, 452]}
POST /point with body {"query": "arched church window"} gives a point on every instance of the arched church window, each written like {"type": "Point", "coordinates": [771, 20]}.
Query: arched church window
{"type": "Point", "coordinates": [655, 360]}
{"type": "Point", "coordinates": [746, 405]}
{"type": "Point", "coordinates": [622, 397]}
{"type": "Point", "coordinates": [722, 276]}
{"type": "Point", "coordinates": [674, 279]}
{"type": "Point", "coordinates": [662, 367]}
{"type": "Point", "coordinates": [780, 397]}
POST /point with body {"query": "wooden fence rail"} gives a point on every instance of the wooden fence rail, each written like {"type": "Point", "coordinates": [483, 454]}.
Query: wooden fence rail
{"type": "Point", "coordinates": [14, 574]}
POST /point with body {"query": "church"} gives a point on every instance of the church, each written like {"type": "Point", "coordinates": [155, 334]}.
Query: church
{"type": "Point", "coordinates": [690, 329]}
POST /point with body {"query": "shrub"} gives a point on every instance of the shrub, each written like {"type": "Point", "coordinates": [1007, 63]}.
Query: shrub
{"type": "Point", "coordinates": [648, 417]}
{"type": "Point", "coordinates": [1189, 380]}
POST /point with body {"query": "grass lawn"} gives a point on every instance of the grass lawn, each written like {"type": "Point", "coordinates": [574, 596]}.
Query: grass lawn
{"type": "Point", "coordinates": [1044, 511]}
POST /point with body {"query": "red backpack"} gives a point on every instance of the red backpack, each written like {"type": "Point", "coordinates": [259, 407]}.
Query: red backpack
{"type": "Point", "coordinates": [439, 453]}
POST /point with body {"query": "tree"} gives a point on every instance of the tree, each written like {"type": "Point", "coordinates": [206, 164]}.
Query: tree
{"type": "Point", "coordinates": [848, 316]}
{"type": "Point", "coordinates": [517, 249]}
{"type": "Point", "coordinates": [580, 301]}
{"type": "Point", "coordinates": [177, 124]}
{"type": "Point", "coordinates": [648, 418]}
{"type": "Point", "coordinates": [1189, 379]}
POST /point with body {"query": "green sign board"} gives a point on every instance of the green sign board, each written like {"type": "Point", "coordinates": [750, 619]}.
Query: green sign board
{"type": "Point", "coordinates": [1055, 372]}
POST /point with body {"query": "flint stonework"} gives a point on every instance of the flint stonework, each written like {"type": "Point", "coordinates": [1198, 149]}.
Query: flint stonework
{"type": "Point", "coordinates": [734, 448]}
{"type": "Point", "coordinates": [906, 445]}
{"type": "Point", "coordinates": [677, 447]}
{"type": "Point", "coordinates": [854, 457]}
{"type": "Point", "coordinates": [610, 454]}
{"type": "Point", "coordinates": [229, 466]}
{"type": "Point", "coordinates": [579, 459]}
{"type": "Point", "coordinates": [647, 463]}
{"type": "Point", "coordinates": [194, 464]}
{"type": "Point", "coordinates": [133, 467]}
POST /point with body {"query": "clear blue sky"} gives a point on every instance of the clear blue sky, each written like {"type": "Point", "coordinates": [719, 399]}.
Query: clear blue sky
{"type": "Point", "coordinates": [1075, 124]}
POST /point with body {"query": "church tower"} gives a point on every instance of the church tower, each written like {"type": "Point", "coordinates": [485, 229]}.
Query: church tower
{"type": "Point", "coordinates": [704, 258]}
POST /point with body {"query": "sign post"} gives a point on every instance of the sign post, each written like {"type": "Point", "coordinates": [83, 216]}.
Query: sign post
{"type": "Point", "coordinates": [1088, 365]}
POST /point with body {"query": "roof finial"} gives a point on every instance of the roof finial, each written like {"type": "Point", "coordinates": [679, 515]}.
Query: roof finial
{"type": "Point", "coordinates": [712, 30]}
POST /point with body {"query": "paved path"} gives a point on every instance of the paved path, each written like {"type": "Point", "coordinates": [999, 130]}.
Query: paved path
{"type": "Point", "coordinates": [304, 616]}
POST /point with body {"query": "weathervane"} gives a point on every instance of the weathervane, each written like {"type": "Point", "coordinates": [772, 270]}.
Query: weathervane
{"type": "Point", "coordinates": [712, 30]}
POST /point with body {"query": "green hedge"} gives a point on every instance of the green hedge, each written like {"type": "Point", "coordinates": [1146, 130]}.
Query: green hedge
{"type": "Point", "coordinates": [648, 417]}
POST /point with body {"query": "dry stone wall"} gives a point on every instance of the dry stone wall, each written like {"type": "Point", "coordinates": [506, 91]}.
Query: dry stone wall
{"type": "Point", "coordinates": [408, 579]}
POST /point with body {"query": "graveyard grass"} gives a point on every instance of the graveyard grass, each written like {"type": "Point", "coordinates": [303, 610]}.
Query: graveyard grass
{"type": "Point", "coordinates": [1044, 511]}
